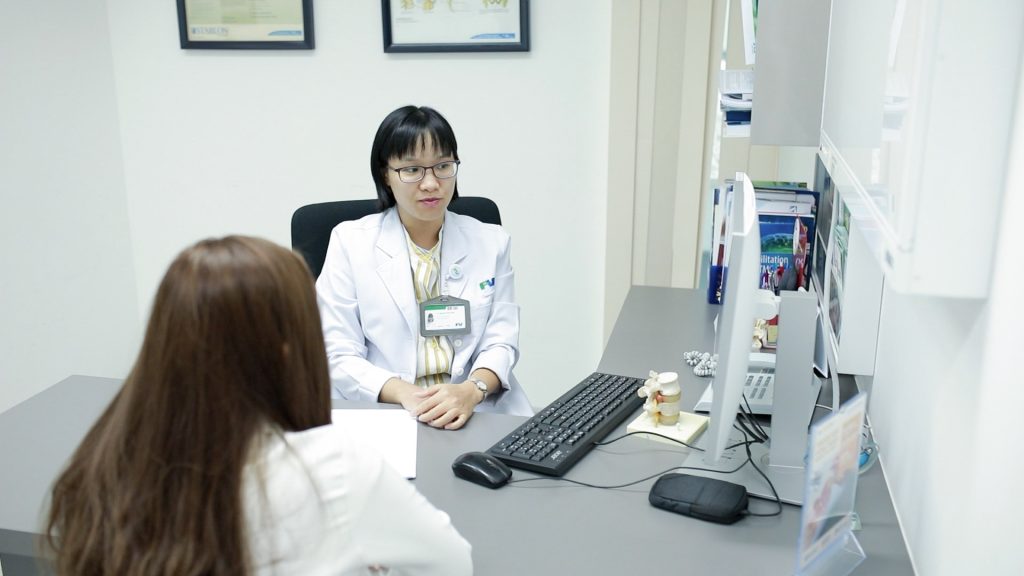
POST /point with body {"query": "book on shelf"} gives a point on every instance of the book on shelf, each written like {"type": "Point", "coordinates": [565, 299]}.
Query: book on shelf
{"type": "Point", "coordinates": [787, 219]}
{"type": "Point", "coordinates": [781, 185]}
{"type": "Point", "coordinates": [721, 230]}
{"type": "Point", "coordinates": [786, 242]}
{"type": "Point", "coordinates": [737, 116]}
{"type": "Point", "coordinates": [787, 216]}
{"type": "Point", "coordinates": [717, 229]}
{"type": "Point", "coordinates": [786, 200]}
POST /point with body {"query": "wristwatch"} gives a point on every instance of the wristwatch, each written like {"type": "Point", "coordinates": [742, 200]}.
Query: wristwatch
{"type": "Point", "coordinates": [481, 386]}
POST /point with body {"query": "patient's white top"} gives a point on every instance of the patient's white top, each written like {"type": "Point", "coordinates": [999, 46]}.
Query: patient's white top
{"type": "Point", "coordinates": [317, 503]}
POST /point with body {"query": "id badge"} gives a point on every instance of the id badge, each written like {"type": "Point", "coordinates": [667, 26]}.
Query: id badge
{"type": "Point", "coordinates": [444, 316]}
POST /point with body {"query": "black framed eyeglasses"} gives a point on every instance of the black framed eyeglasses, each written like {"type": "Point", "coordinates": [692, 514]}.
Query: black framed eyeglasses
{"type": "Point", "coordinates": [441, 170]}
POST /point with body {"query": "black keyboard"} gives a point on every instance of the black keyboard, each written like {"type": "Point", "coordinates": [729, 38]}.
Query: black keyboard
{"type": "Point", "coordinates": [555, 438]}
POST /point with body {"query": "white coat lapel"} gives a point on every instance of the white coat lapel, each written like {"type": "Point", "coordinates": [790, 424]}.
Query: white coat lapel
{"type": "Point", "coordinates": [454, 249]}
{"type": "Point", "coordinates": [393, 267]}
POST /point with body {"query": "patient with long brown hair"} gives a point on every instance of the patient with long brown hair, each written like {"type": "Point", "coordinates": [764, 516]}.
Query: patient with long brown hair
{"type": "Point", "coordinates": [217, 457]}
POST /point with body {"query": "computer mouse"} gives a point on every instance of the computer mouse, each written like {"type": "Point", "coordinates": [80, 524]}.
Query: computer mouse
{"type": "Point", "coordinates": [482, 468]}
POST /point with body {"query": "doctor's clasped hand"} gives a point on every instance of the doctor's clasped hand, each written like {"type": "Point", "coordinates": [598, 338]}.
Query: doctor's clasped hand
{"type": "Point", "coordinates": [447, 406]}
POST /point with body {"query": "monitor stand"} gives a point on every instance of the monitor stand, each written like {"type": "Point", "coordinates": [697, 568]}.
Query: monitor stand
{"type": "Point", "coordinates": [796, 392]}
{"type": "Point", "coordinates": [788, 481]}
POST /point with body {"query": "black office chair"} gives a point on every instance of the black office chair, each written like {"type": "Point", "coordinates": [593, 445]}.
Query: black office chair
{"type": "Point", "coordinates": [312, 224]}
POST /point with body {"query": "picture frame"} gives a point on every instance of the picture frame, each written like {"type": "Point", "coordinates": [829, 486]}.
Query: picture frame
{"type": "Point", "coordinates": [247, 25]}
{"type": "Point", "coordinates": [456, 26]}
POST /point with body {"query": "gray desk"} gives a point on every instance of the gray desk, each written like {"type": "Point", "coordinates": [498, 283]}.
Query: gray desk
{"type": "Point", "coordinates": [578, 530]}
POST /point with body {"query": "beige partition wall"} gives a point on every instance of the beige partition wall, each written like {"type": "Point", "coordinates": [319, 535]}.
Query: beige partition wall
{"type": "Point", "coordinates": [658, 104]}
{"type": "Point", "coordinates": [622, 129]}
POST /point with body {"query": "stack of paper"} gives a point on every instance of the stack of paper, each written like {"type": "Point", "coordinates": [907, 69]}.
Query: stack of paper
{"type": "Point", "coordinates": [736, 99]}
{"type": "Point", "coordinates": [392, 433]}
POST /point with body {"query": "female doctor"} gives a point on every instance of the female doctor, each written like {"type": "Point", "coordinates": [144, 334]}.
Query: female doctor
{"type": "Point", "coordinates": [418, 302]}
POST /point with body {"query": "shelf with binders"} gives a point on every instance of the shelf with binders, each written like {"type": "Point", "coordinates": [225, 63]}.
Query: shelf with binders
{"type": "Point", "coordinates": [848, 281]}
{"type": "Point", "coordinates": [735, 102]}
{"type": "Point", "coordinates": [786, 213]}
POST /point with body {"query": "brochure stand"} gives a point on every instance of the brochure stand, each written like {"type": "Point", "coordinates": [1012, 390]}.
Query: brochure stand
{"type": "Point", "coordinates": [844, 556]}
{"type": "Point", "coordinates": [827, 546]}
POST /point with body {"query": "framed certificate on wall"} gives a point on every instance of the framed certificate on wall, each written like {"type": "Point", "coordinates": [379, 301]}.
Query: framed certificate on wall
{"type": "Point", "coordinates": [456, 25]}
{"type": "Point", "coordinates": [246, 24]}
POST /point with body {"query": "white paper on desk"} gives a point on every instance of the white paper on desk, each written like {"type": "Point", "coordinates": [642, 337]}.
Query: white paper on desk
{"type": "Point", "coordinates": [391, 432]}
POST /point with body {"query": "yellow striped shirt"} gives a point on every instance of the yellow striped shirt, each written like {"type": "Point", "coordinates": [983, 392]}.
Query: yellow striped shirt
{"type": "Point", "coordinates": [434, 354]}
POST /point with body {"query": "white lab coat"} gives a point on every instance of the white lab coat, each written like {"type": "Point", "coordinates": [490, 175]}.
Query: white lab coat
{"type": "Point", "coordinates": [370, 314]}
{"type": "Point", "coordinates": [320, 502]}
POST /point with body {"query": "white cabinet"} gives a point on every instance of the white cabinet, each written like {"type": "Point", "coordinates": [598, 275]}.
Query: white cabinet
{"type": "Point", "coordinates": [792, 41]}
{"type": "Point", "coordinates": [919, 99]}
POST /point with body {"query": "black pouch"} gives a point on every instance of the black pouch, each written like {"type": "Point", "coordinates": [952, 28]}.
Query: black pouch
{"type": "Point", "coordinates": [704, 498]}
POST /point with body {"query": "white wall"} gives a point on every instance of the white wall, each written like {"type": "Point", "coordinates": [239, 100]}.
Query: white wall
{"type": "Point", "coordinates": [67, 279]}
{"type": "Point", "coordinates": [946, 400]}
{"type": "Point", "coordinates": [993, 502]}
{"type": "Point", "coordinates": [924, 414]}
{"type": "Point", "coordinates": [119, 149]}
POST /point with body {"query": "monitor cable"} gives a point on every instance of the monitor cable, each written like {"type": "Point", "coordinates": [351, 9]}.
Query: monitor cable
{"type": "Point", "coordinates": [626, 484]}
{"type": "Point", "coordinates": [749, 435]}
{"type": "Point", "coordinates": [747, 414]}
{"type": "Point", "coordinates": [750, 459]}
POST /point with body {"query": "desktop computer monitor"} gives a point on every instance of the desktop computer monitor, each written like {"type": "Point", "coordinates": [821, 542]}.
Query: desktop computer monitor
{"type": "Point", "coordinates": [736, 320]}
{"type": "Point", "coordinates": [725, 450]}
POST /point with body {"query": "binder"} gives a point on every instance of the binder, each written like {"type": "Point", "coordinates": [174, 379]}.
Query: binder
{"type": "Point", "coordinates": [720, 234]}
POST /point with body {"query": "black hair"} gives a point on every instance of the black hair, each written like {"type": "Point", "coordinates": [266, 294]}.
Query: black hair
{"type": "Point", "coordinates": [401, 133]}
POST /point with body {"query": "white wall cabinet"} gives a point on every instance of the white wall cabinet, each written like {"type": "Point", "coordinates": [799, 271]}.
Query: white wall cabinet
{"type": "Point", "coordinates": [789, 74]}
{"type": "Point", "coordinates": [915, 131]}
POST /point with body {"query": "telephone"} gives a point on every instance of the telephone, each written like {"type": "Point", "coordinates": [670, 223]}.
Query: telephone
{"type": "Point", "coordinates": [762, 360]}
{"type": "Point", "coordinates": [759, 389]}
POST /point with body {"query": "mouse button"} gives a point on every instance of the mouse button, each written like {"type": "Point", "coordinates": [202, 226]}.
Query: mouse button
{"type": "Point", "coordinates": [498, 463]}
{"type": "Point", "coordinates": [497, 471]}
{"type": "Point", "coordinates": [461, 460]}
